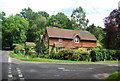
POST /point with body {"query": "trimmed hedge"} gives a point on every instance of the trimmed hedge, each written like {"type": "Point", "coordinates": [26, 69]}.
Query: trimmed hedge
{"type": "Point", "coordinates": [80, 55]}
{"type": "Point", "coordinates": [64, 54]}
{"type": "Point", "coordinates": [70, 54]}
{"type": "Point", "coordinates": [104, 54]}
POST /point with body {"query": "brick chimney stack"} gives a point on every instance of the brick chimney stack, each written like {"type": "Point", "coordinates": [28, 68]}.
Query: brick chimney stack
{"type": "Point", "coordinates": [55, 24]}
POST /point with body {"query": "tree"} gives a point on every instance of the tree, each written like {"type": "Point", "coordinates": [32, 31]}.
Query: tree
{"type": "Point", "coordinates": [13, 30]}
{"type": "Point", "coordinates": [37, 28]}
{"type": "Point", "coordinates": [2, 14]}
{"type": "Point", "coordinates": [97, 31]}
{"type": "Point", "coordinates": [112, 28]}
{"type": "Point", "coordinates": [28, 14]}
{"type": "Point", "coordinates": [37, 23]}
{"type": "Point", "coordinates": [62, 20]}
{"type": "Point", "coordinates": [44, 14]}
{"type": "Point", "coordinates": [78, 19]}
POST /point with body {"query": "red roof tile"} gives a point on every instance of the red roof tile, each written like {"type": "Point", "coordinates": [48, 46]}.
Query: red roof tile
{"type": "Point", "coordinates": [69, 34]}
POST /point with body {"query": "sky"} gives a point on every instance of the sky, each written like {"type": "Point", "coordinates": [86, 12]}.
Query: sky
{"type": "Point", "coordinates": [96, 10]}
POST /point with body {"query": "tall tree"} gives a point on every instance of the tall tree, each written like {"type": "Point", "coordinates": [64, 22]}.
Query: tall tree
{"type": "Point", "coordinates": [2, 14]}
{"type": "Point", "coordinates": [44, 14]}
{"type": "Point", "coordinates": [78, 18]}
{"type": "Point", "coordinates": [62, 20]}
{"type": "Point", "coordinates": [37, 28]}
{"type": "Point", "coordinates": [13, 30]}
{"type": "Point", "coordinates": [37, 22]}
{"type": "Point", "coordinates": [112, 28]}
{"type": "Point", "coordinates": [97, 31]}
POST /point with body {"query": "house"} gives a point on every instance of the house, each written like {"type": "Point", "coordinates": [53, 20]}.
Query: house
{"type": "Point", "coordinates": [65, 38]}
{"type": "Point", "coordinates": [30, 43]}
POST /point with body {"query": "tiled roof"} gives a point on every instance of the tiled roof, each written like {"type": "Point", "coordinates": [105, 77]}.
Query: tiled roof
{"type": "Point", "coordinates": [54, 32]}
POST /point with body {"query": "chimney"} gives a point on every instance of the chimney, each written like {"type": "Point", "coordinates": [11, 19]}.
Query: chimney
{"type": "Point", "coordinates": [55, 24]}
{"type": "Point", "coordinates": [119, 5]}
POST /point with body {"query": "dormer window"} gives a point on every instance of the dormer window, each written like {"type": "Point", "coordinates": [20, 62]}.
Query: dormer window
{"type": "Point", "coordinates": [76, 40]}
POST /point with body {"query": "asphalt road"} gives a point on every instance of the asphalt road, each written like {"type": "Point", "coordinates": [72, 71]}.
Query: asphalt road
{"type": "Point", "coordinates": [16, 70]}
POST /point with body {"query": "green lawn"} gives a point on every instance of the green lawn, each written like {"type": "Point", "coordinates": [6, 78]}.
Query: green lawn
{"type": "Point", "coordinates": [27, 58]}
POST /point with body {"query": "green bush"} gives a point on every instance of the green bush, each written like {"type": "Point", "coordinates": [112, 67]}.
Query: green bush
{"type": "Point", "coordinates": [32, 53]}
{"type": "Point", "coordinates": [65, 54]}
{"type": "Point", "coordinates": [12, 54]}
{"type": "Point", "coordinates": [104, 54]}
{"type": "Point", "coordinates": [41, 55]}
{"type": "Point", "coordinates": [113, 77]}
{"type": "Point", "coordinates": [80, 55]}
{"type": "Point", "coordinates": [28, 48]}
{"type": "Point", "coordinates": [71, 54]}
{"type": "Point", "coordinates": [17, 50]}
{"type": "Point", "coordinates": [52, 54]}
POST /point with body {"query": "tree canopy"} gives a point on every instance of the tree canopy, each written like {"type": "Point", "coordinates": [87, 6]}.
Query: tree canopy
{"type": "Point", "coordinates": [13, 30]}
{"type": "Point", "coordinates": [28, 25]}
{"type": "Point", "coordinates": [112, 28]}
{"type": "Point", "coordinates": [37, 23]}
{"type": "Point", "coordinates": [97, 31]}
{"type": "Point", "coordinates": [62, 20]}
{"type": "Point", "coordinates": [78, 19]}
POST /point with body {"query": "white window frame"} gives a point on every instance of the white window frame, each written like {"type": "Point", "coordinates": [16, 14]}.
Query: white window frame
{"type": "Point", "coordinates": [60, 40]}
{"type": "Point", "coordinates": [76, 40]}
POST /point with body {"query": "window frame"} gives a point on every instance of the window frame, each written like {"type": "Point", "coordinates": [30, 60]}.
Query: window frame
{"type": "Point", "coordinates": [76, 40]}
{"type": "Point", "coordinates": [60, 40]}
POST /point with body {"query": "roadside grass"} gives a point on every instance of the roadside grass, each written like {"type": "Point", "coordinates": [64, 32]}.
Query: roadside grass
{"type": "Point", "coordinates": [38, 59]}
{"type": "Point", "coordinates": [115, 76]}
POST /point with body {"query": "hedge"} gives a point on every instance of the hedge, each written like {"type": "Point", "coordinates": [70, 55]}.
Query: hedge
{"type": "Point", "coordinates": [104, 54]}
{"type": "Point", "coordinates": [70, 54]}
{"type": "Point", "coordinates": [80, 55]}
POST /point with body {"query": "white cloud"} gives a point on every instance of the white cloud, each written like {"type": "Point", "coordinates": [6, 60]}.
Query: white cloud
{"type": "Point", "coordinates": [96, 9]}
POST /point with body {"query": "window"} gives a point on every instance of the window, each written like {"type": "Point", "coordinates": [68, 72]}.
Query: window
{"type": "Point", "coordinates": [60, 40]}
{"type": "Point", "coordinates": [46, 39]}
{"type": "Point", "coordinates": [76, 40]}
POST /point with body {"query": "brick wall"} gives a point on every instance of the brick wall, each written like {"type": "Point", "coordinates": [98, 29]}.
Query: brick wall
{"type": "Point", "coordinates": [88, 43]}
{"type": "Point", "coordinates": [66, 41]}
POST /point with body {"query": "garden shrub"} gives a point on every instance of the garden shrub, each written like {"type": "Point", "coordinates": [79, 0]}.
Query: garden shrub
{"type": "Point", "coordinates": [41, 55]}
{"type": "Point", "coordinates": [52, 54]}
{"type": "Point", "coordinates": [72, 54]}
{"type": "Point", "coordinates": [17, 49]}
{"type": "Point", "coordinates": [80, 55]}
{"type": "Point", "coordinates": [104, 54]}
{"type": "Point", "coordinates": [65, 54]}
{"type": "Point", "coordinates": [32, 53]}
{"type": "Point", "coordinates": [28, 48]}
{"type": "Point", "coordinates": [12, 54]}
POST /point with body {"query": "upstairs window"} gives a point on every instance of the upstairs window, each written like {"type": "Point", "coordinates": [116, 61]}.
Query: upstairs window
{"type": "Point", "coordinates": [60, 40]}
{"type": "Point", "coordinates": [76, 40]}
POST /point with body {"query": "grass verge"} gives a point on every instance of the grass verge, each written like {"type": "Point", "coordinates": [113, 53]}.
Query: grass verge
{"type": "Point", "coordinates": [115, 76]}
{"type": "Point", "coordinates": [28, 58]}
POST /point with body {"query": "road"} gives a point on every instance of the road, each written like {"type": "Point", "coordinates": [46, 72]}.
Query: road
{"type": "Point", "coordinates": [16, 70]}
